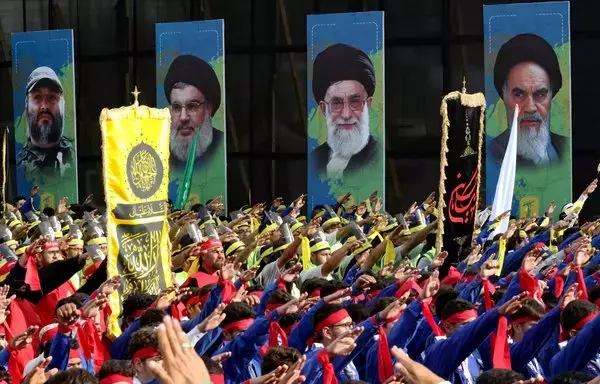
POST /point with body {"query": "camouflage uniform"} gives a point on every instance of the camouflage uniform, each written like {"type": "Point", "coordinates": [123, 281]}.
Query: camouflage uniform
{"type": "Point", "coordinates": [41, 163]}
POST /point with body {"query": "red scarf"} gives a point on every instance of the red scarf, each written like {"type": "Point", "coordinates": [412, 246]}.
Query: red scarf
{"type": "Point", "coordinates": [488, 291]}
{"type": "Point", "coordinates": [384, 358]}
{"type": "Point", "coordinates": [328, 371]}
{"type": "Point", "coordinates": [276, 333]}
{"type": "Point", "coordinates": [500, 349]}
{"type": "Point", "coordinates": [452, 278]}
{"type": "Point", "coordinates": [32, 278]}
{"type": "Point", "coordinates": [530, 285]}
{"type": "Point", "coordinates": [428, 315]}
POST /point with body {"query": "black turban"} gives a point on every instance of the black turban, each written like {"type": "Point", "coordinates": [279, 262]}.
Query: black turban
{"type": "Point", "coordinates": [341, 62]}
{"type": "Point", "coordinates": [523, 48]}
{"type": "Point", "coordinates": [194, 71]}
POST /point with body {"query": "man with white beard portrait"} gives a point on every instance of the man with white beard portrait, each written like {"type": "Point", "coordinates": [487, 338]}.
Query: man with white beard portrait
{"type": "Point", "coordinates": [47, 152]}
{"type": "Point", "coordinates": [194, 95]}
{"type": "Point", "coordinates": [527, 73]}
{"type": "Point", "coordinates": [343, 85]}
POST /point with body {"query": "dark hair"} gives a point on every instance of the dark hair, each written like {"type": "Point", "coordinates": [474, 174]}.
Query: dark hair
{"type": "Point", "coordinates": [332, 286]}
{"type": "Point", "coordinates": [549, 299]}
{"type": "Point", "coordinates": [277, 356]}
{"type": "Point", "coordinates": [255, 288]}
{"type": "Point", "coordinates": [212, 366]}
{"type": "Point", "coordinates": [358, 312]}
{"type": "Point", "coordinates": [324, 312]}
{"type": "Point", "coordinates": [529, 308]}
{"type": "Point", "coordinates": [111, 367]}
{"type": "Point", "coordinates": [144, 338]}
{"type": "Point", "coordinates": [280, 297]}
{"type": "Point", "coordinates": [455, 306]}
{"type": "Point", "coordinates": [443, 297]}
{"type": "Point", "coordinates": [49, 211]}
{"type": "Point", "coordinates": [135, 302]}
{"type": "Point", "coordinates": [196, 207]}
{"type": "Point", "coordinates": [574, 312]}
{"type": "Point", "coordinates": [594, 294]}
{"type": "Point", "coordinates": [152, 317]}
{"type": "Point", "coordinates": [4, 376]}
{"type": "Point", "coordinates": [381, 304]}
{"type": "Point", "coordinates": [77, 298]}
{"type": "Point", "coordinates": [308, 286]}
{"type": "Point", "coordinates": [499, 376]}
{"type": "Point", "coordinates": [19, 198]}
{"type": "Point", "coordinates": [73, 376]}
{"type": "Point", "coordinates": [237, 311]}
{"type": "Point", "coordinates": [289, 319]}
{"type": "Point", "coordinates": [423, 278]}
{"type": "Point", "coordinates": [572, 377]}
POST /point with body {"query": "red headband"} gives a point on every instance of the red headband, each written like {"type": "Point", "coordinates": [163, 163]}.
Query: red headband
{"type": "Point", "coordinates": [197, 299]}
{"type": "Point", "coordinates": [597, 302]}
{"type": "Point", "coordinates": [239, 326]}
{"type": "Point", "coordinates": [138, 313]}
{"type": "Point", "coordinates": [211, 243]}
{"type": "Point", "coordinates": [49, 335]}
{"type": "Point", "coordinates": [524, 319]}
{"type": "Point", "coordinates": [256, 293]}
{"type": "Point", "coordinates": [74, 354]}
{"type": "Point", "coordinates": [116, 378]}
{"type": "Point", "coordinates": [332, 319]}
{"type": "Point", "coordinates": [145, 353]}
{"type": "Point", "coordinates": [584, 321]}
{"type": "Point", "coordinates": [315, 293]}
{"type": "Point", "coordinates": [459, 317]}
{"type": "Point", "coordinates": [49, 245]}
{"type": "Point", "coordinates": [407, 286]}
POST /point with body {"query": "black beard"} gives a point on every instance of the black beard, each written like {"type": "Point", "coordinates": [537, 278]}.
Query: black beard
{"type": "Point", "coordinates": [45, 134]}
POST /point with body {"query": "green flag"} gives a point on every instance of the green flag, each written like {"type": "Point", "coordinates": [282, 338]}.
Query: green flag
{"type": "Point", "coordinates": [184, 189]}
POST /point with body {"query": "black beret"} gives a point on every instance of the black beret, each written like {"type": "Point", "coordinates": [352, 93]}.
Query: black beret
{"type": "Point", "coordinates": [523, 48]}
{"type": "Point", "coordinates": [341, 62]}
{"type": "Point", "coordinates": [194, 71]}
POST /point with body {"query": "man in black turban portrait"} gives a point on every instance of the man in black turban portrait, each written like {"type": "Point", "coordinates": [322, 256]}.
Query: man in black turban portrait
{"type": "Point", "coordinates": [194, 95]}
{"type": "Point", "coordinates": [343, 86]}
{"type": "Point", "coordinates": [527, 74]}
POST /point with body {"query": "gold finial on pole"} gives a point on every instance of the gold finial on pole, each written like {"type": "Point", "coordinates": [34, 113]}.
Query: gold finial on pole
{"type": "Point", "coordinates": [464, 88]}
{"type": "Point", "coordinates": [136, 94]}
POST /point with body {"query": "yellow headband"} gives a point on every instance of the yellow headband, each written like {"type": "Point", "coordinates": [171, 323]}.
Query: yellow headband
{"type": "Point", "coordinates": [97, 241]}
{"type": "Point", "coordinates": [21, 250]}
{"type": "Point", "coordinates": [301, 218]}
{"type": "Point", "coordinates": [75, 242]}
{"type": "Point", "coordinates": [11, 243]}
{"type": "Point", "coordinates": [281, 248]}
{"type": "Point", "coordinates": [270, 227]}
{"type": "Point", "coordinates": [234, 247]}
{"type": "Point", "coordinates": [320, 246]}
{"type": "Point", "coordinates": [418, 228]}
{"type": "Point", "coordinates": [405, 232]}
{"type": "Point", "coordinates": [13, 224]}
{"type": "Point", "coordinates": [333, 220]}
{"type": "Point", "coordinates": [363, 248]}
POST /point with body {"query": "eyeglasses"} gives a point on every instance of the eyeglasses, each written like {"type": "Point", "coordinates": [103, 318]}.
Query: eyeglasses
{"type": "Point", "coordinates": [355, 104]}
{"type": "Point", "coordinates": [347, 326]}
{"type": "Point", "coordinates": [192, 108]}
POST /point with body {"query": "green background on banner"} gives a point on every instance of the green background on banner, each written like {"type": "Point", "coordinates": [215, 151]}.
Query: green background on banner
{"type": "Point", "coordinates": [536, 188]}
{"type": "Point", "coordinates": [49, 51]}
{"type": "Point", "coordinates": [363, 182]}
{"type": "Point", "coordinates": [203, 39]}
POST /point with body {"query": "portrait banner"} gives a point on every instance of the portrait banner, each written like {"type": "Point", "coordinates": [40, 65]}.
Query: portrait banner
{"type": "Point", "coordinates": [345, 106]}
{"type": "Point", "coordinates": [460, 169]}
{"type": "Point", "coordinates": [528, 63]}
{"type": "Point", "coordinates": [135, 159]}
{"type": "Point", "coordinates": [44, 114]}
{"type": "Point", "coordinates": [190, 80]}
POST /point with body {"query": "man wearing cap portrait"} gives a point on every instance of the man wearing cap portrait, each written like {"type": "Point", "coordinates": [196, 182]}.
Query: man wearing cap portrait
{"type": "Point", "coordinates": [343, 84]}
{"type": "Point", "coordinates": [194, 95]}
{"type": "Point", "coordinates": [47, 149]}
{"type": "Point", "coordinates": [527, 74]}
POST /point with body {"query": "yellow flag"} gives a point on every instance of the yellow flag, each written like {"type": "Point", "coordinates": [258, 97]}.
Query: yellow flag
{"type": "Point", "coordinates": [501, 254]}
{"type": "Point", "coordinates": [305, 253]}
{"type": "Point", "coordinates": [135, 157]}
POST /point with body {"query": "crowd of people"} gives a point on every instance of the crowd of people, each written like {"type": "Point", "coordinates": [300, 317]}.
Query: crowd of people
{"type": "Point", "coordinates": [263, 295]}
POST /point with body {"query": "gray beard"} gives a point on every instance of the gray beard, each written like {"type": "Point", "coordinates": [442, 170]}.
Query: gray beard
{"type": "Point", "coordinates": [347, 143]}
{"type": "Point", "coordinates": [44, 134]}
{"type": "Point", "coordinates": [532, 144]}
{"type": "Point", "coordinates": [180, 146]}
